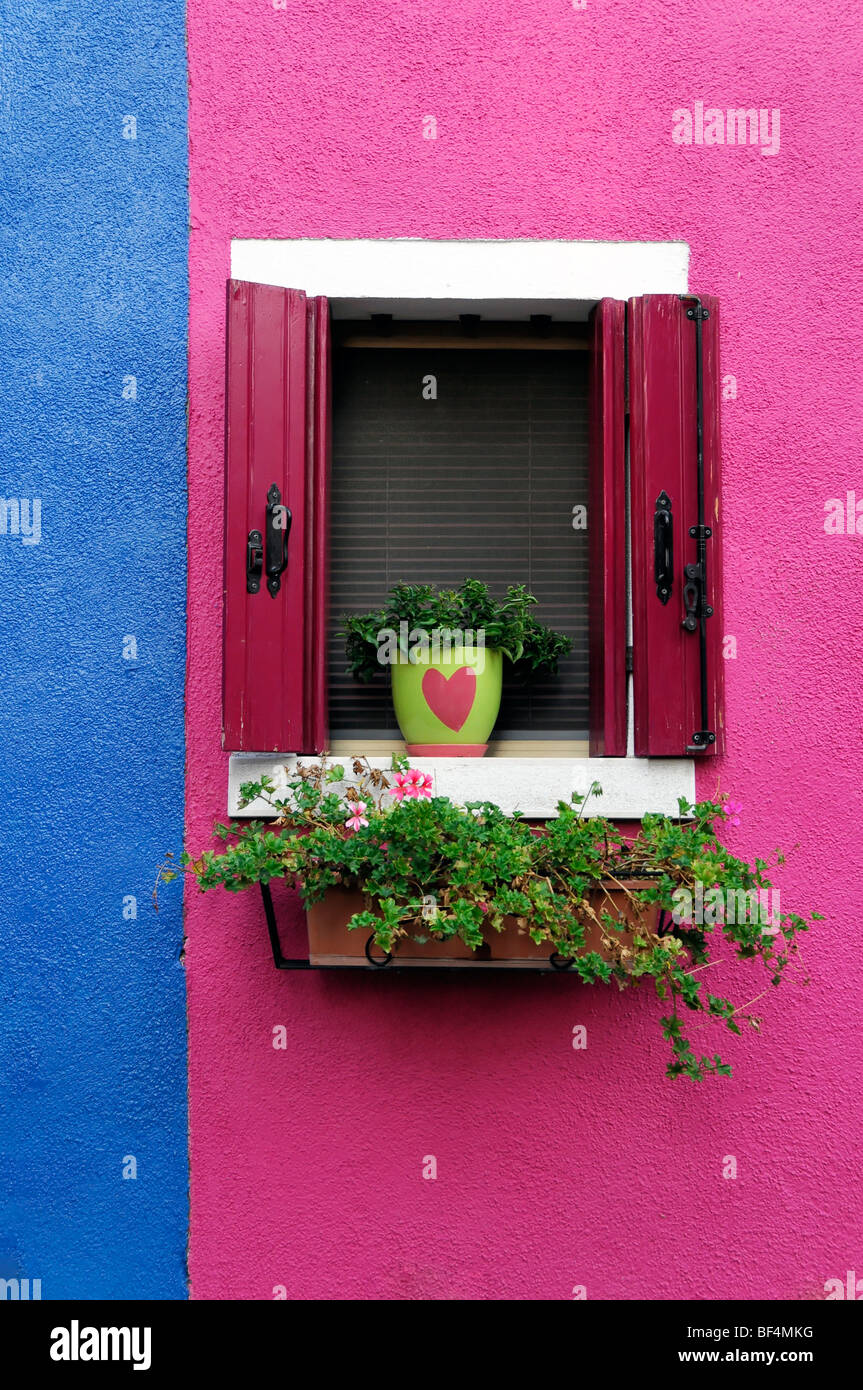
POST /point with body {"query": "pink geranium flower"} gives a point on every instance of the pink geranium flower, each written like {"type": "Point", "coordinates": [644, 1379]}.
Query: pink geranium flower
{"type": "Point", "coordinates": [400, 790]}
{"type": "Point", "coordinates": [412, 784]}
{"type": "Point", "coordinates": [422, 783]}
{"type": "Point", "coordinates": [732, 811]}
{"type": "Point", "coordinates": [357, 820]}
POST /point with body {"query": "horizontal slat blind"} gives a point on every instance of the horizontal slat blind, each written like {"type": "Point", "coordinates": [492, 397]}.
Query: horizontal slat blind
{"type": "Point", "coordinates": [479, 482]}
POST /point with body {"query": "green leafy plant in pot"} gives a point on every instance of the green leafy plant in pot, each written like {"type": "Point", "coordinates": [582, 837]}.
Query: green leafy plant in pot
{"type": "Point", "coordinates": [445, 651]}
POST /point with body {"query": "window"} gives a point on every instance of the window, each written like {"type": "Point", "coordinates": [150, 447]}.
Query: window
{"type": "Point", "coordinates": [461, 449]}
{"type": "Point", "coordinates": [654, 537]}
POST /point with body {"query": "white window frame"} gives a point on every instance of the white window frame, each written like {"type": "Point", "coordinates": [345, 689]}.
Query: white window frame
{"type": "Point", "coordinates": [412, 278]}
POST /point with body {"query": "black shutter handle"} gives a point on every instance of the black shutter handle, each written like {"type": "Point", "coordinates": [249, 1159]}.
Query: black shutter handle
{"type": "Point", "coordinates": [278, 528]}
{"type": "Point", "coordinates": [268, 553]}
{"type": "Point", "coordinates": [663, 547]}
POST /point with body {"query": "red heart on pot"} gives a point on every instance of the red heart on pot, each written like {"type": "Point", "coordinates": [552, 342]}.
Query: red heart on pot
{"type": "Point", "coordinates": [450, 699]}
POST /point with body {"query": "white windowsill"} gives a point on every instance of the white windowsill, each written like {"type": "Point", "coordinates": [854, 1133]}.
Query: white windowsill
{"type": "Point", "coordinates": [630, 786]}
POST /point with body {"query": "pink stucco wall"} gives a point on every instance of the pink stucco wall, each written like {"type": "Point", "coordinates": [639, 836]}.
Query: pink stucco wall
{"type": "Point", "coordinates": [556, 1168]}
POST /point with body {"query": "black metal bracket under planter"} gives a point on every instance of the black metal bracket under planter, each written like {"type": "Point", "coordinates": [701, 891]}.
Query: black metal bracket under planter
{"type": "Point", "coordinates": [283, 962]}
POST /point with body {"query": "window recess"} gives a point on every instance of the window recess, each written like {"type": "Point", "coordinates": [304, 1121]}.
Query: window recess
{"type": "Point", "coordinates": [462, 451]}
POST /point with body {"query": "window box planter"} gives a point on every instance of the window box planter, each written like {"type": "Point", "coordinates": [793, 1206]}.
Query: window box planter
{"type": "Point", "coordinates": [397, 860]}
{"type": "Point", "coordinates": [332, 944]}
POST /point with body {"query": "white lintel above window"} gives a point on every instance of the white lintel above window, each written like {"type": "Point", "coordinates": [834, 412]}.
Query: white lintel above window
{"type": "Point", "coordinates": [406, 276]}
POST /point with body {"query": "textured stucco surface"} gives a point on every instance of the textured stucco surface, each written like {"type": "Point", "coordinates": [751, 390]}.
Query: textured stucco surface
{"type": "Point", "coordinates": [92, 1011]}
{"type": "Point", "coordinates": [556, 1168]}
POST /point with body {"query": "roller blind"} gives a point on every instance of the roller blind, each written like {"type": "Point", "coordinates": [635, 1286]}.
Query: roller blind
{"type": "Point", "coordinates": [480, 481]}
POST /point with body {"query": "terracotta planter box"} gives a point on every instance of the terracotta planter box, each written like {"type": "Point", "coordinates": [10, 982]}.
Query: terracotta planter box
{"type": "Point", "coordinates": [330, 942]}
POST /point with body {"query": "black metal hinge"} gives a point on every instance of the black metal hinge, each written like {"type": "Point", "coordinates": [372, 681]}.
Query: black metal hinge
{"type": "Point", "coordinates": [696, 608]}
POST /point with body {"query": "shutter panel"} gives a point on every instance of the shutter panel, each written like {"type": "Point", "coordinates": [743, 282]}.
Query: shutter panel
{"type": "Point", "coordinates": [678, 674]}
{"type": "Point", "coordinates": [607, 532]}
{"type": "Point", "coordinates": [276, 435]}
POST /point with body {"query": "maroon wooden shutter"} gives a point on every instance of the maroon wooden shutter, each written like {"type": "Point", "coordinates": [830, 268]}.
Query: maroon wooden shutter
{"type": "Point", "coordinates": [678, 675]}
{"type": "Point", "coordinates": [277, 421]}
{"type": "Point", "coordinates": [606, 521]}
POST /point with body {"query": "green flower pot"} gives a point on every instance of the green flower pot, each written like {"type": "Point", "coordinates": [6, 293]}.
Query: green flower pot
{"type": "Point", "coordinates": [446, 705]}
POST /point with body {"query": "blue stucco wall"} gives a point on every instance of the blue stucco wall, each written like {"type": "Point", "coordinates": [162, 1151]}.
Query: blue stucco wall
{"type": "Point", "coordinates": [92, 1002]}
